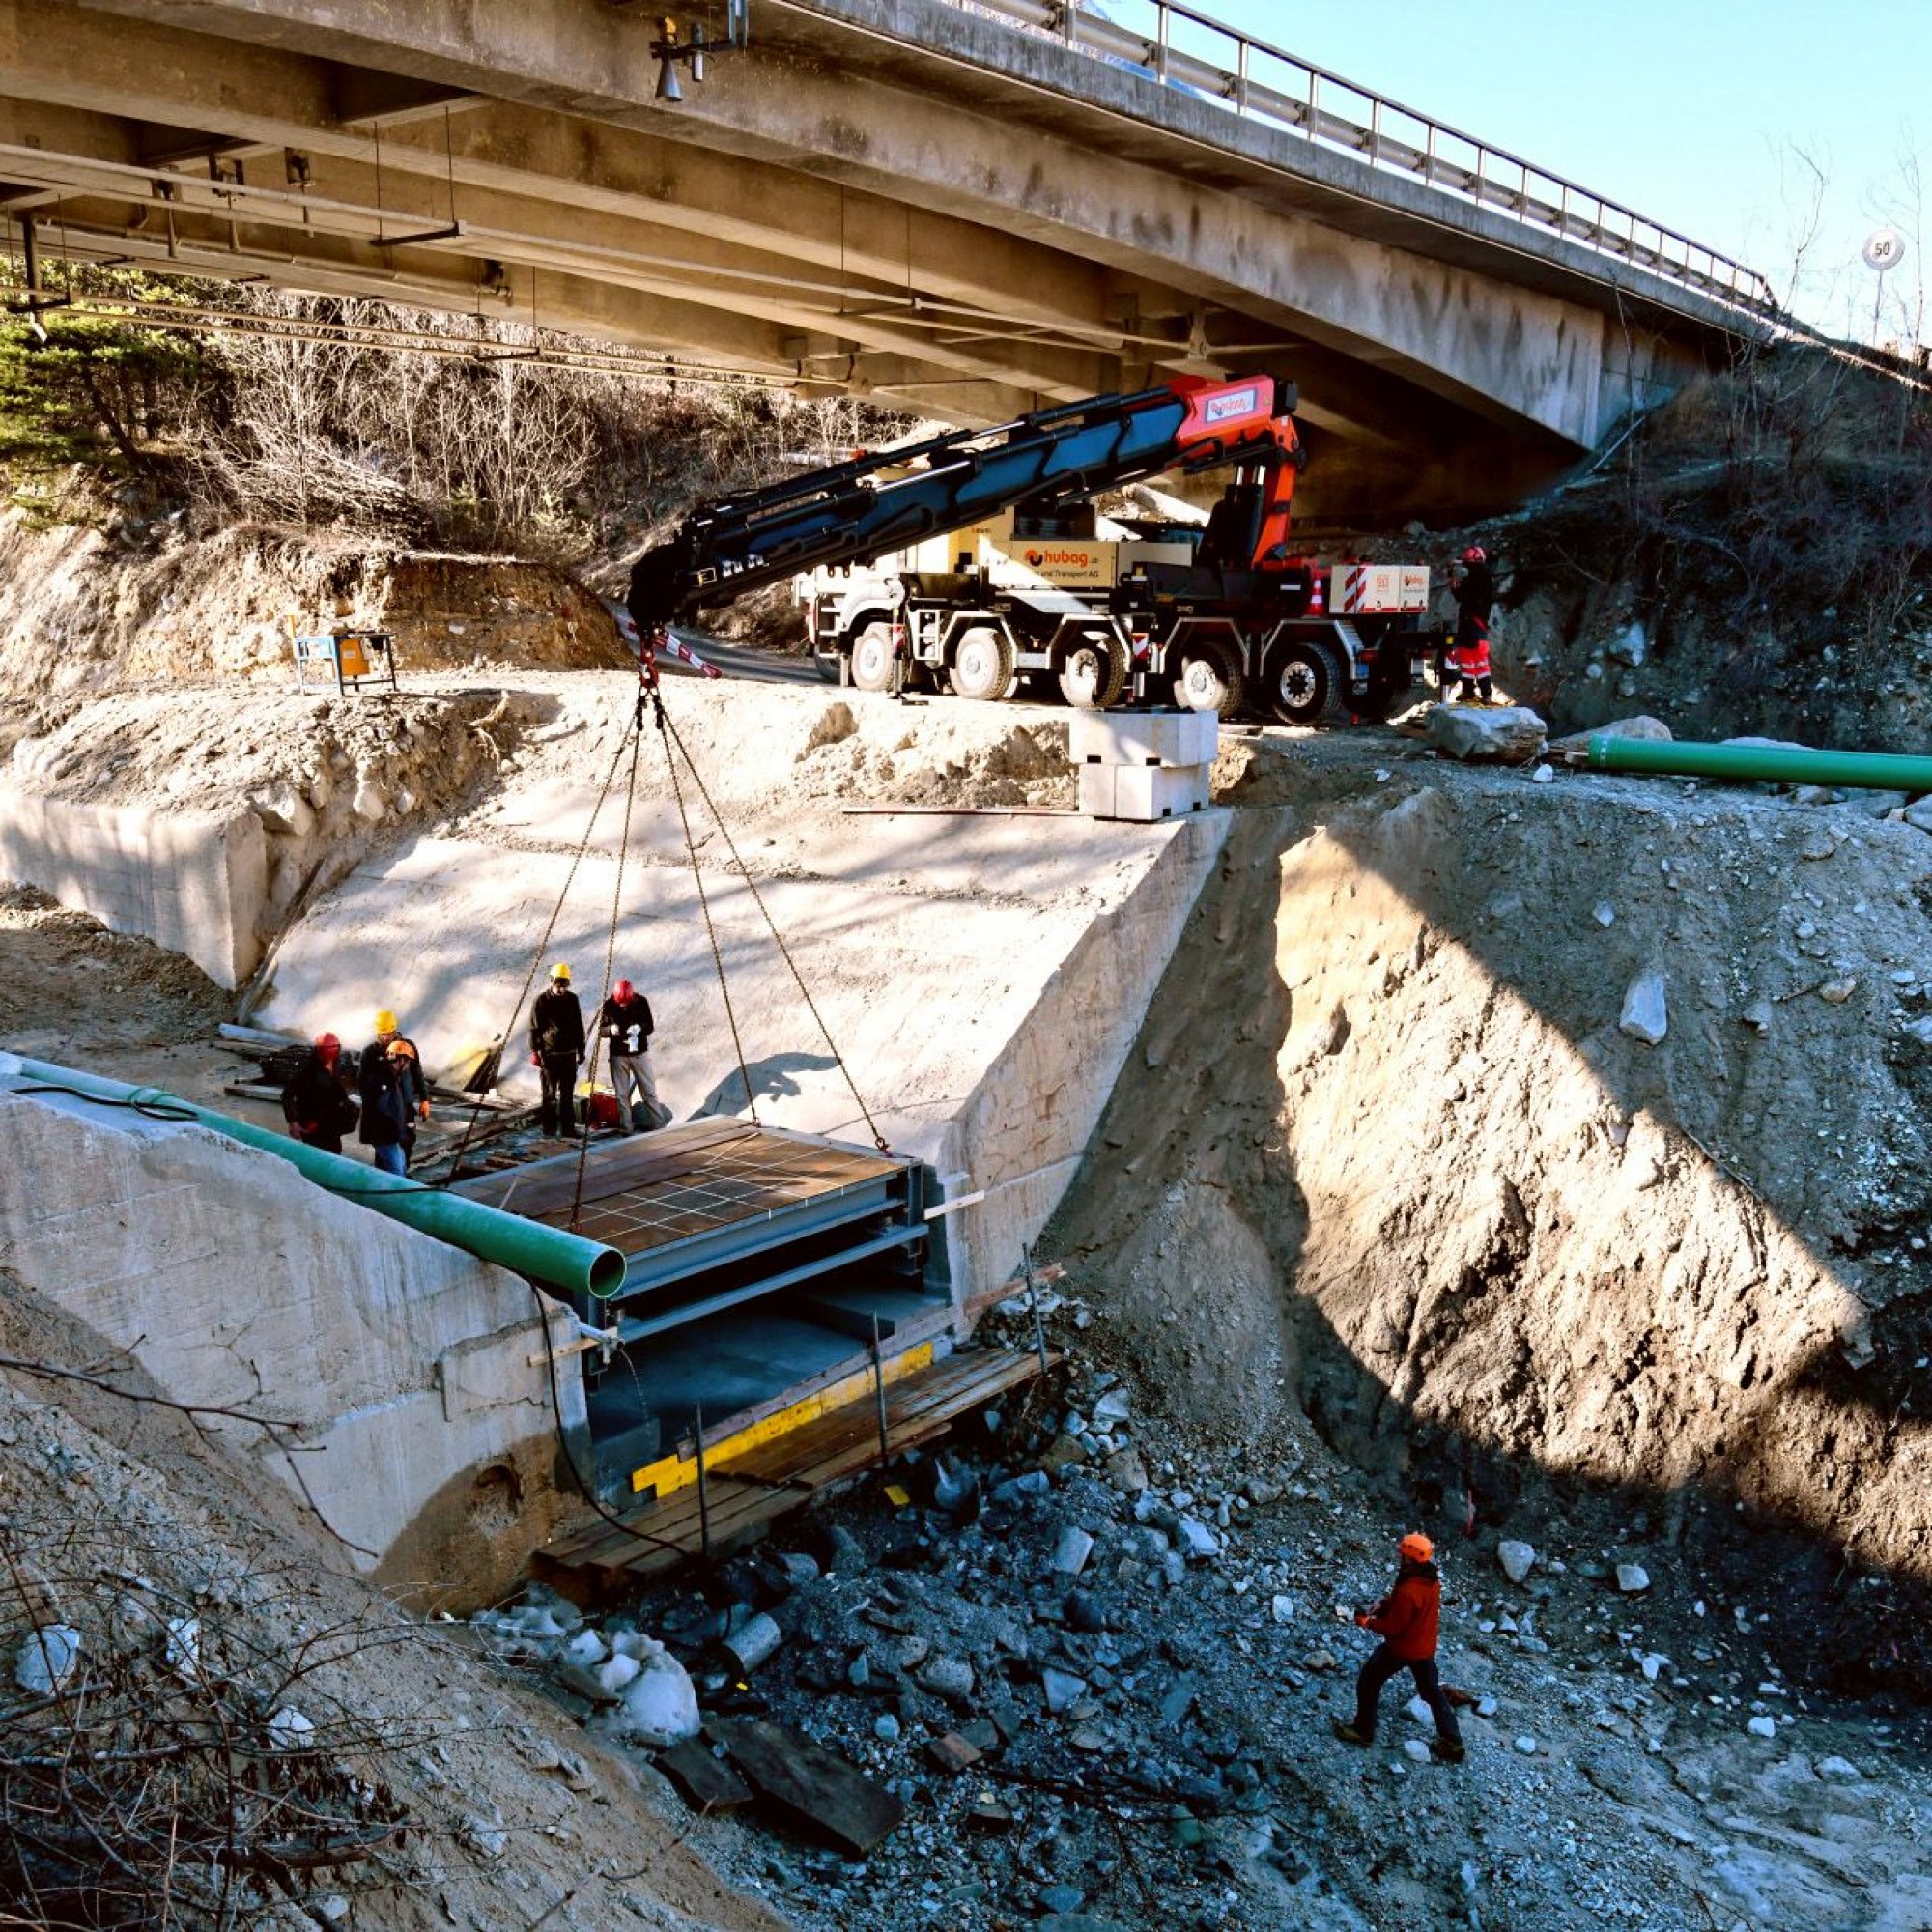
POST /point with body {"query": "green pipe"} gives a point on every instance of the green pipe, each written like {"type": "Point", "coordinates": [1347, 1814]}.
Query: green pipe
{"type": "Point", "coordinates": [1776, 764]}
{"type": "Point", "coordinates": [546, 1255]}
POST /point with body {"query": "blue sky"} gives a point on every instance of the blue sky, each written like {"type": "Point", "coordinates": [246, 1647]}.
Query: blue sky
{"type": "Point", "coordinates": [1692, 113]}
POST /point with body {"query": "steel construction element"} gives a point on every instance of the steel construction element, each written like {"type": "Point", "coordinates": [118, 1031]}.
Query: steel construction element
{"type": "Point", "coordinates": [1777, 764]}
{"type": "Point", "coordinates": [547, 1255]}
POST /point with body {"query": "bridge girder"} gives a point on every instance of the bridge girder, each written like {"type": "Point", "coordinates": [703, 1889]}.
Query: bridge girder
{"type": "Point", "coordinates": [839, 222]}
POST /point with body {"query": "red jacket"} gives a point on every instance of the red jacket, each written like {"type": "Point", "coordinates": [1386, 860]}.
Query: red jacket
{"type": "Point", "coordinates": [1407, 1619]}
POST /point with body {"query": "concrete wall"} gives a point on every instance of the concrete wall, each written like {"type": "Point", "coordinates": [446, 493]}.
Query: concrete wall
{"type": "Point", "coordinates": [1023, 1130]}
{"type": "Point", "coordinates": [190, 881]}
{"type": "Point", "coordinates": [428, 1444]}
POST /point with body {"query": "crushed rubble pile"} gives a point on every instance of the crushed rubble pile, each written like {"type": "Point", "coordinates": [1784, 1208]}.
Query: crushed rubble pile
{"type": "Point", "coordinates": [935, 760]}
{"type": "Point", "coordinates": [1081, 1678]}
{"type": "Point", "coordinates": [67, 977]}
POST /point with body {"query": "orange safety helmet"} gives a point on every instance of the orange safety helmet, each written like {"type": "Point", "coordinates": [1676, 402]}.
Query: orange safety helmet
{"type": "Point", "coordinates": [1417, 1548]}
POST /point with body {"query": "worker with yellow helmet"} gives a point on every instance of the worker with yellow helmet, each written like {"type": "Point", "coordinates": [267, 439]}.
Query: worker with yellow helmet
{"type": "Point", "coordinates": [395, 1095]}
{"type": "Point", "coordinates": [556, 1050]}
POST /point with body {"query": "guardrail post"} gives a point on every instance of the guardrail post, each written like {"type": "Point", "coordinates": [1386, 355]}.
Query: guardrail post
{"type": "Point", "coordinates": [1162, 27]}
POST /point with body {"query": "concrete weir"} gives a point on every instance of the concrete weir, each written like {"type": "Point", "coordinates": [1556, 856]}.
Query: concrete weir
{"type": "Point", "coordinates": [982, 980]}
{"type": "Point", "coordinates": [192, 881]}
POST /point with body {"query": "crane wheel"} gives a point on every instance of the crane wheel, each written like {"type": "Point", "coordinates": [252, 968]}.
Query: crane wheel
{"type": "Point", "coordinates": [1209, 679]}
{"type": "Point", "coordinates": [983, 663]}
{"type": "Point", "coordinates": [1307, 683]}
{"type": "Point", "coordinates": [871, 657]}
{"type": "Point", "coordinates": [1093, 674]}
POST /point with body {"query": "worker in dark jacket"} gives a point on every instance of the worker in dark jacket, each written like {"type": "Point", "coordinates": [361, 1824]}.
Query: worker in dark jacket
{"type": "Point", "coordinates": [1405, 1620]}
{"type": "Point", "coordinates": [316, 1102]}
{"type": "Point", "coordinates": [1476, 586]}
{"type": "Point", "coordinates": [624, 1026]}
{"type": "Point", "coordinates": [557, 1049]}
{"type": "Point", "coordinates": [395, 1096]}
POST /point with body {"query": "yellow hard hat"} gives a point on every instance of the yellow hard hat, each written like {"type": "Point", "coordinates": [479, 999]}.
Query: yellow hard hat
{"type": "Point", "coordinates": [559, 971]}
{"type": "Point", "coordinates": [385, 1022]}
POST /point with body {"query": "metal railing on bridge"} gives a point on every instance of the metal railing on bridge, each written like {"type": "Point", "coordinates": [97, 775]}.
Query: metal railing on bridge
{"type": "Point", "coordinates": [1181, 48]}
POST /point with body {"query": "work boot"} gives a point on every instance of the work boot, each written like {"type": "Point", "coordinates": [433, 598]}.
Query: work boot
{"type": "Point", "coordinates": [1348, 1734]}
{"type": "Point", "coordinates": [1446, 1753]}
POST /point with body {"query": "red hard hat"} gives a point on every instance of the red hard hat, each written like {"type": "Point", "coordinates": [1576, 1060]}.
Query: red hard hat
{"type": "Point", "coordinates": [622, 989]}
{"type": "Point", "coordinates": [327, 1042]}
{"type": "Point", "coordinates": [1475, 554]}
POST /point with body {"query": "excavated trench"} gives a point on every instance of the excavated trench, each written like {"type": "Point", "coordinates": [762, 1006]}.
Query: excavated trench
{"type": "Point", "coordinates": [1384, 1157]}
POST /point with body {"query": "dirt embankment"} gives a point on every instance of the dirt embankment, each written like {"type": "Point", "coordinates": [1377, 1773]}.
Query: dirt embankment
{"type": "Point", "coordinates": [83, 606]}
{"type": "Point", "coordinates": [207, 1612]}
{"type": "Point", "coordinates": [1386, 1148]}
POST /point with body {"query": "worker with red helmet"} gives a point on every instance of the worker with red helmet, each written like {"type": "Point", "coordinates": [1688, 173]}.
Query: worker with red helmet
{"type": "Point", "coordinates": [1407, 1621]}
{"type": "Point", "coordinates": [316, 1102]}
{"type": "Point", "coordinates": [1469, 659]}
{"type": "Point", "coordinates": [624, 1025]}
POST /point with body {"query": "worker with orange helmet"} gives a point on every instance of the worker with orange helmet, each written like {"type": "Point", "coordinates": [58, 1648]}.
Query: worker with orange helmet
{"type": "Point", "coordinates": [1407, 1621]}
{"type": "Point", "coordinates": [556, 1050]}
{"type": "Point", "coordinates": [395, 1096]}
{"type": "Point", "coordinates": [624, 1025]}
{"type": "Point", "coordinates": [1469, 659]}
{"type": "Point", "coordinates": [316, 1100]}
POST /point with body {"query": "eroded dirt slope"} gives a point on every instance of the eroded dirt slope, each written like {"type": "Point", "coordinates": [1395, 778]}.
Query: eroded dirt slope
{"type": "Point", "coordinates": [1385, 1152]}
{"type": "Point", "coordinates": [129, 1525]}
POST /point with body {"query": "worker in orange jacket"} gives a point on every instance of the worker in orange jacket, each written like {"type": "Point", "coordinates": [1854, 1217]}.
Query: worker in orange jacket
{"type": "Point", "coordinates": [1407, 1621]}
{"type": "Point", "coordinates": [1469, 660]}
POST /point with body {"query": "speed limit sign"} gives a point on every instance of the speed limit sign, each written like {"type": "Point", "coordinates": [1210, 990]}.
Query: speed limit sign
{"type": "Point", "coordinates": [1885, 248]}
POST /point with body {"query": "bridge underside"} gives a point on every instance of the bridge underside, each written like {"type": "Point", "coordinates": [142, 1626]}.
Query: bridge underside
{"type": "Point", "coordinates": [958, 220]}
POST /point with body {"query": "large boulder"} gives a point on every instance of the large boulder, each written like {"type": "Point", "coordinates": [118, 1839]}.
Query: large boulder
{"type": "Point", "coordinates": [1510, 736]}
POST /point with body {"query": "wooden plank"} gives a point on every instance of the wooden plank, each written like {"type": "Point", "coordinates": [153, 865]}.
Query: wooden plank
{"type": "Point", "coordinates": [811, 1785]}
{"type": "Point", "coordinates": [706, 1783]}
{"type": "Point", "coordinates": [788, 1472]}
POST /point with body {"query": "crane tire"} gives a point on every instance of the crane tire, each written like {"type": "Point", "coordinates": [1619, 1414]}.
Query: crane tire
{"type": "Point", "coordinates": [1308, 682]}
{"type": "Point", "coordinates": [983, 663]}
{"type": "Point", "coordinates": [1093, 675]}
{"type": "Point", "coordinates": [871, 657]}
{"type": "Point", "coordinates": [1208, 679]}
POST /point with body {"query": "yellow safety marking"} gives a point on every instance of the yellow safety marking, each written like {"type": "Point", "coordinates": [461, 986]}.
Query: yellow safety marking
{"type": "Point", "coordinates": [670, 1473]}
{"type": "Point", "coordinates": [896, 1496]}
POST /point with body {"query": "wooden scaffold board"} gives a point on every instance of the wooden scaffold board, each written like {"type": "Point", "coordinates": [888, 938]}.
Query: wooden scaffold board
{"type": "Point", "coordinates": [744, 1495]}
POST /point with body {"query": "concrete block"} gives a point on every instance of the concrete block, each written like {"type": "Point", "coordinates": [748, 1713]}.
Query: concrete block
{"type": "Point", "coordinates": [1096, 790]}
{"type": "Point", "coordinates": [194, 882]}
{"type": "Point", "coordinates": [1145, 793]}
{"type": "Point", "coordinates": [1143, 737]}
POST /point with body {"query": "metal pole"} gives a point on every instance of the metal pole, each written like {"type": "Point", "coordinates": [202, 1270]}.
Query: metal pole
{"type": "Point", "coordinates": [1032, 1303]}
{"type": "Point", "coordinates": [703, 1495]}
{"type": "Point", "coordinates": [879, 1391]}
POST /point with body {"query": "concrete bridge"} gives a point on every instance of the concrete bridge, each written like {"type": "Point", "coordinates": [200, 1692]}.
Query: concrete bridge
{"type": "Point", "coordinates": [967, 210]}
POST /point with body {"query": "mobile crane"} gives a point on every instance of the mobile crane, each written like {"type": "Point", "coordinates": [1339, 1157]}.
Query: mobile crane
{"type": "Point", "coordinates": [1242, 614]}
